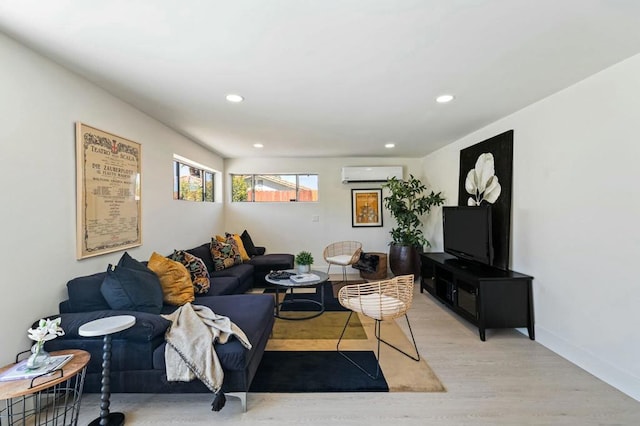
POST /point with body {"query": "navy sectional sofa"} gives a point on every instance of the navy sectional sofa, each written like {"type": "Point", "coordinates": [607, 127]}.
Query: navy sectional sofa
{"type": "Point", "coordinates": [137, 360]}
{"type": "Point", "coordinates": [241, 278]}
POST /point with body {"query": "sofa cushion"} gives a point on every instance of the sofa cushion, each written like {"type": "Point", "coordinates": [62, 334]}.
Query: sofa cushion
{"type": "Point", "coordinates": [269, 262]}
{"type": "Point", "coordinates": [197, 269]}
{"type": "Point", "coordinates": [85, 295]}
{"type": "Point", "coordinates": [224, 255]}
{"type": "Point", "coordinates": [242, 272]}
{"type": "Point", "coordinates": [243, 252]}
{"type": "Point", "coordinates": [236, 248]}
{"type": "Point", "coordinates": [175, 280]}
{"type": "Point", "coordinates": [131, 290]}
{"type": "Point", "coordinates": [250, 312]}
{"type": "Point", "coordinates": [248, 244]}
{"type": "Point", "coordinates": [220, 286]}
{"type": "Point", "coordinates": [204, 252]}
{"type": "Point", "coordinates": [146, 328]}
{"type": "Point", "coordinates": [129, 262]}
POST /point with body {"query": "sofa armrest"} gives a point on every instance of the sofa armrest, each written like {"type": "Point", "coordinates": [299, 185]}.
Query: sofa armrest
{"type": "Point", "coordinates": [147, 326]}
{"type": "Point", "coordinates": [260, 251]}
{"type": "Point", "coordinates": [64, 306]}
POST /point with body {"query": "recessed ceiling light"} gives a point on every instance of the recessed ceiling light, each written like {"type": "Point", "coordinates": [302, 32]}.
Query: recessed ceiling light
{"type": "Point", "coordinates": [234, 98]}
{"type": "Point", "coordinates": [389, 145]}
{"type": "Point", "coordinates": [443, 99]}
{"type": "Point", "coordinates": [258, 145]}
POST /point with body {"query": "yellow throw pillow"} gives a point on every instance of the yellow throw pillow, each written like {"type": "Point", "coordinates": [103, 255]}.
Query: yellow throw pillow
{"type": "Point", "coordinates": [243, 252]}
{"type": "Point", "coordinates": [175, 280]}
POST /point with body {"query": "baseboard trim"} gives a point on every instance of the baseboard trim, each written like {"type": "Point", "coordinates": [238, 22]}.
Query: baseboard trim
{"type": "Point", "coordinates": [624, 381]}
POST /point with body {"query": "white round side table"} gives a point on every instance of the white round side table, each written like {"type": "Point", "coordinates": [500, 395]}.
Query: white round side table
{"type": "Point", "coordinates": [106, 327]}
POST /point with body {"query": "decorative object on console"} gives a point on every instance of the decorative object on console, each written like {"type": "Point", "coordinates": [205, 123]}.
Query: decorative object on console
{"type": "Point", "coordinates": [366, 208]}
{"type": "Point", "coordinates": [47, 330]}
{"type": "Point", "coordinates": [407, 204]}
{"type": "Point", "coordinates": [493, 156]}
{"type": "Point", "coordinates": [304, 260]}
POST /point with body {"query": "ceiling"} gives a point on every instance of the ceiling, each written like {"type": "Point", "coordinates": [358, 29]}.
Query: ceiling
{"type": "Point", "coordinates": [328, 78]}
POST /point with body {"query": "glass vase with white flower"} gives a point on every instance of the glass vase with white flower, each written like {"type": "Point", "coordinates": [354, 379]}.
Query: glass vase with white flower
{"type": "Point", "coordinates": [48, 329]}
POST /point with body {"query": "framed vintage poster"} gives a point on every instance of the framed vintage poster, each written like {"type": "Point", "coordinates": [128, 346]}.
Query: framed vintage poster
{"type": "Point", "coordinates": [108, 198]}
{"type": "Point", "coordinates": [366, 207]}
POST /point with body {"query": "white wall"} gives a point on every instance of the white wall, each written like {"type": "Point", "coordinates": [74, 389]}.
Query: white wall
{"type": "Point", "coordinates": [288, 227]}
{"type": "Point", "coordinates": [39, 104]}
{"type": "Point", "coordinates": [575, 218]}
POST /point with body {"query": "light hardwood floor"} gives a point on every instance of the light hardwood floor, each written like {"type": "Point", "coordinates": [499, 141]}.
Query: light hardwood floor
{"type": "Point", "coordinates": [507, 380]}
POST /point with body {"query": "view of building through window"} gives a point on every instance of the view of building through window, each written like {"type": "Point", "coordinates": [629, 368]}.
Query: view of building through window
{"type": "Point", "coordinates": [192, 183]}
{"type": "Point", "coordinates": [274, 188]}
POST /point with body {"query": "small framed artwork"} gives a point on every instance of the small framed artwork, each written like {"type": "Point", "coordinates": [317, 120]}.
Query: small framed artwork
{"type": "Point", "coordinates": [366, 207]}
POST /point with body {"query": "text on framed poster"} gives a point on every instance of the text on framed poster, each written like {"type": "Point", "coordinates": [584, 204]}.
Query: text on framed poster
{"type": "Point", "coordinates": [108, 201]}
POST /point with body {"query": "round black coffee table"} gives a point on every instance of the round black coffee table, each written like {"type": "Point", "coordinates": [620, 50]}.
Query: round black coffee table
{"type": "Point", "coordinates": [312, 279]}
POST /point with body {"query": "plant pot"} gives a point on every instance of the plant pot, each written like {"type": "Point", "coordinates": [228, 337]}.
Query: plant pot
{"type": "Point", "coordinates": [304, 269]}
{"type": "Point", "coordinates": [404, 260]}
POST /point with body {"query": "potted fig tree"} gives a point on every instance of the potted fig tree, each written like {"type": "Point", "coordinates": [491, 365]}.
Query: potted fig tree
{"type": "Point", "coordinates": [407, 202]}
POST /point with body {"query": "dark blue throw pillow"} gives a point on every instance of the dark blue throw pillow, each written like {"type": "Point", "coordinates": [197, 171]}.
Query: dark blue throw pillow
{"type": "Point", "coordinates": [247, 242]}
{"type": "Point", "coordinates": [128, 289]}
{"type": "Point", "coordinates": [84, 293]}
{"type": "Point", "coordinates": [129, 262]}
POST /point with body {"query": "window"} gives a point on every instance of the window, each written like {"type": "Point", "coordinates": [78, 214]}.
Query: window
{"type": "Point", "coordinates": [274, 188]}
{"type": "Point", "coordinates": [192, 183]}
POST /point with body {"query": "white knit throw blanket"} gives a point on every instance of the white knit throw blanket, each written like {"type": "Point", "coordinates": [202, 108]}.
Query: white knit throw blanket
{"type": "Point", "coordinates": [189, 352]}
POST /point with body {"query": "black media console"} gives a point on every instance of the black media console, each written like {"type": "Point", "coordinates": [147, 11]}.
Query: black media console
{"type": "Point", "coordinates": [486, 296]}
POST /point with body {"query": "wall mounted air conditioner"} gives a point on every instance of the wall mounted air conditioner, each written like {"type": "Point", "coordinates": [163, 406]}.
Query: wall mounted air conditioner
{"type": "Point", "coordinates": [370, 173]}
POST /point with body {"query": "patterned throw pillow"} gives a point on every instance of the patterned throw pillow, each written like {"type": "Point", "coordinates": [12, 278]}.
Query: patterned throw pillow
{"type": "Point", "coordinates": [224, 255]}
{"type": "Point", "coordinates": [232, 241]}
{"type": "Point", "coordinates": [243, 253]}
{"type": "Point", "coordinates": [197, 269]}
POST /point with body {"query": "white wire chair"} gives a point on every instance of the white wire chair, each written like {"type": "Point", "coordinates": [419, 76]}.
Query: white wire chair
{"type": "Point", "coordinates": [342, 253]}
{"type": "Point", "coordinates": [380, 300]}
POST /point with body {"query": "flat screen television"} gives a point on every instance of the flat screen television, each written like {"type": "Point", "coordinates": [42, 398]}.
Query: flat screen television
{"type": "Point", "coordinates": [467, 232]}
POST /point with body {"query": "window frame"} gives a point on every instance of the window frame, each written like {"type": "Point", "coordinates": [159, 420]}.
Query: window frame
{"type": "Point", "coordinates": [256, 179]}
{"type": "Point", "coordinates": [206, 174]}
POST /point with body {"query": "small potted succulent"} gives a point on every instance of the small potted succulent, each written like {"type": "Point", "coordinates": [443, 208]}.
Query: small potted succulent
{"type": "Point", "coordinates": [304, 260]}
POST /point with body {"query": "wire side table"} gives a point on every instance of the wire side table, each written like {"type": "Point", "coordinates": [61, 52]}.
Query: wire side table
{"type": "Point", "coordinates": [51, 400]}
